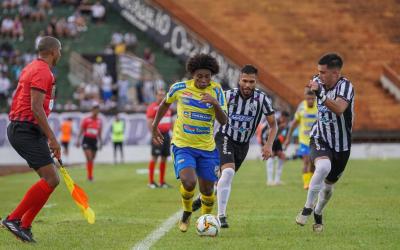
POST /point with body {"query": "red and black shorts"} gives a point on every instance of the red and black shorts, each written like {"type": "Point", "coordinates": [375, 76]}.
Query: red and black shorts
{"type": "Point", "coordinates": [89, 143]}
{"type": "Point", "coordinates": [30, 143]}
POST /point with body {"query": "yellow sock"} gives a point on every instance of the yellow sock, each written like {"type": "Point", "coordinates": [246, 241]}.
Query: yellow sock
{"type": "Point", "coordinates": [187, 198]}
{"type": "Point", "coordinates": [207, 203]}
{"type": "Point", "coordinates": [308, 178]}
{"type": "Point", "coordinates": [305, 176]}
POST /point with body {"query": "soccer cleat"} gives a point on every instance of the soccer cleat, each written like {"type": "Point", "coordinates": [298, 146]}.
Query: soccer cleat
{"type": "Point", "coordinates": [302, 217]}
{"type": "Point", "coordinates": [196, 205]}
{"type": "Point", "coordinates": [185, 221]}
{"type": "Point", "coordinates": [318, 227]}
{"type": "Point", "coordinates": [22, 234]}
{"type": "Point", "coordinates": [152, 185]}
{"type": "Point", "coordinates": [279, 183]}
{"type": "Point", "coordinates": [270, 183]}
{"type": "Point", "coordinates": [165, 185]}
{"type": "Point", "coordinates": [223, 222]}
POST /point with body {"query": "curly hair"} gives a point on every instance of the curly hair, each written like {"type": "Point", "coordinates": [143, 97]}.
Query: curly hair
{"type": "Point", "coordinates": [202, 61]}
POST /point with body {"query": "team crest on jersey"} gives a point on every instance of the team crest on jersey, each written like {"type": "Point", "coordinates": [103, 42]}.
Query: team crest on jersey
{"type": "Point", "coordinates": [187, 94]}
{"type": "Point", "coordinates": [252, 107]}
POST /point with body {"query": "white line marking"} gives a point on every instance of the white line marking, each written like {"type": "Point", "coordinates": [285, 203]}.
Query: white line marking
{"type": "Point", "coordinates": [157, 234]}
{"type": "Point", "coordinates": [145, 171]}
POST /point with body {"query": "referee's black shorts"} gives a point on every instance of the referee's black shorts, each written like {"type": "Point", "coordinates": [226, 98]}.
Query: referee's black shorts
{"type": "Point", "coordinates": [319, 148]}
{"type": "Point", "coordinates": [89, 143]}
{"type": "Point", "coordinates": [30, 143]}
{"type": "Point", "coordinates": [230, 151]}
{"type": "Point", "coordinates": [164, 149]}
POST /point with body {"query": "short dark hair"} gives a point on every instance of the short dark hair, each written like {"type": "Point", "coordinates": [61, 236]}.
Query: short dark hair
{"type": "Point", "coordinates": [249, 69]}
{"type": "Point", "coordinates": [202, 61]}
{"type": "Point", "coordinates": [331, 60]}
{"type": "Point", "coordinates": [308, 91]}
{"type": "Point", "coordinates": [48, 43]}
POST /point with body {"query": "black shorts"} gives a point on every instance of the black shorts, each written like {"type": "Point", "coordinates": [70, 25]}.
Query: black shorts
{"type": "Point", "coordinates": [30, 143]}
{"type": "Point", "coordinates": [338, 159]}
{"type": "Point", "coordinates": [163, 149]}
{"type": "Point", "coordinates": [65, 144]}
{"type": "Point", "coordinates": [117, 145]}
{"type": "Point", "coordinates": [277, 146]}
{"type": "Point", "coordinates": [89, 143]}
{"type": "Point", "coordinates": [231, 151]}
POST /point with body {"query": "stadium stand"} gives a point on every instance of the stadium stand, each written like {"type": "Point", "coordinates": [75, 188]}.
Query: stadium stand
{"type": "Point", "coordinates": [287, 42]}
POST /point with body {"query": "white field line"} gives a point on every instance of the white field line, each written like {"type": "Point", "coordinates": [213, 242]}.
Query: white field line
{"type": "Point", "coordinates": [158, 233]}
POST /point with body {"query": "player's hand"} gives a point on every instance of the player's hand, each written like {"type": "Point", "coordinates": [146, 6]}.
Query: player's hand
{"type": "Point", "coordinates": [286, 143]}
{"type": "Point", "coordinates": [266, 152]}
{"type": "Point", "coordinates": [158, 138]}
{"type": "Point", "coordinates": [55, 148]}
{"type": "Point", "coordinates": [207, 98]}
{"type": "Point", "coordinates": [315, 87]}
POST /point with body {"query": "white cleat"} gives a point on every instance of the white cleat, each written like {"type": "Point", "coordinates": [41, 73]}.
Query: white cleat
{"type": "Point", "coordinates": [302, 217]}
{"type": "Point", "coordinates": [318, 228]}
{"type": "Point", "coordinates": [270, 183]}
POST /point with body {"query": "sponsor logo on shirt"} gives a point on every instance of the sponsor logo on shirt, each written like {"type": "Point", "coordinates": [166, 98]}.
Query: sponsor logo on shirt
{"type": "Point", "coordinates": [242, 118]}
{"type": "Point", "coordinates": [195, 130]}
{"type": "Point", "coordinates": [195, 103]}
{"type": "Point", "coordinates": [176, 87]}
{"type": "Point", "coordinates": [241, 129]}
{"type": "Point", "coordinates": [197, 116]}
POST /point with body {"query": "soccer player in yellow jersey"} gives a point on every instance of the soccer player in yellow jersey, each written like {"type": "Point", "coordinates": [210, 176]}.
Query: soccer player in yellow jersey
{"type": "Point", "coordinates": [199, 102]}
{"type": "Point", "coordinates": [305, 116]}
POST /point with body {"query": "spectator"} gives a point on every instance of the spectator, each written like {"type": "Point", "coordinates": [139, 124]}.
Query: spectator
{"type": "Point", "coordinates": [99, 69]}
{"type": "Point", "coordinates": [18, 30]}
{"type": "Point", "coordinates": [108, 50]}
{"type": "Point", "coordinates": [149, 56]}
{"type": "Point", "coordinates": [7, 26]}
{"type": "Point", "coordinates": [107, 87]}
{"type": "Point", "coordinates": [131, 41]}
{"type": "Point", "coordinates": [98, 12]}
{"type": "Point", "coordinates": [3, 66]}
{"type": "Point", "coordinates": [25, 10]}
{"type": "Point", "coordinates": [120, 49]}
{"type": "Point", "coordinates": [5, 85]}
{"type": "Point", "coordinates": [38, 14]}
{"type": "Point", "coordinates": [123, 87]}
{"type": "Point", "coordinates": [45, 5]}
{"type": "Point", "coordinates": [61, 28]}
{"type": "Point", "coordinates": [116, 38]}
{"type": "Point", "coordinates": [148, 91]}
{"type": "Point", "coordinates": [70, 106]}
{"type": "Point", "coordinates": [78, 20]}
{"type": "Point", "coordinates": [92, 91]}
{"type": "Point", "coordinates": [28, 57]}
{"type": "Point", "coordinates": [49, 31]}
{"type": "Point", "coordinates": [16, 68]}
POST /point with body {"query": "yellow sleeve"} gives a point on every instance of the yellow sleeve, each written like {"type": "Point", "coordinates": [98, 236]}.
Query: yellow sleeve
{"type": "Point", "coordinates": [173, 92]}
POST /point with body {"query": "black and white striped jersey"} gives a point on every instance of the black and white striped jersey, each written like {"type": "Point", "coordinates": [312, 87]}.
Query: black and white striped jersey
{"type": "Point", "coordinates": [244, 115]}
{"type": "Point", "coordinates": [333, 129]}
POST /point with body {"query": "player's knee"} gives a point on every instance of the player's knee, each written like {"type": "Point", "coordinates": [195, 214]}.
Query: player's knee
{"type": "Point", "coordinates": [323, 166]}
{"type": "Point", "coordinates": [53, 181]}
{"type": "Point", "coordinates": [189, 184]}
{"type": "Point", "coordinates": [227, 175]}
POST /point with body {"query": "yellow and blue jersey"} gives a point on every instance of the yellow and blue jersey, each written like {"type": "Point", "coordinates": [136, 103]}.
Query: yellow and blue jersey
{"type": "Point", "coordinates": [306, 117]}
{"type": "Point", "coordinates": [194, 125]}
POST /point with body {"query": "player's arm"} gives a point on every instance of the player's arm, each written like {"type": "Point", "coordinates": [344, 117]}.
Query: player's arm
{"type": "Point", "coordinates": [272, 131]}
{"type": "Point", "coordinates": [163, 108]}
{"type": "Point", "coordinates": [337, 106]}
{"type": "Point", "coordinates": [220, 114]}
{"type": "Point", "coordinates": [99, 138]}
{"type": "Point", "coordinates": [294, 124]}
{"type": "Point", "coordinates": [37, 99]}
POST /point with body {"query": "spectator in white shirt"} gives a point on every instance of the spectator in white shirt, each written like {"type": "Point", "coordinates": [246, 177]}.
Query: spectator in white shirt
{"type": "Point", "coordinates": [98, 12]}
{"type": "Point", "coordinates": [107, 87]}
{"type": "Point", "coordinates": [7, 26]}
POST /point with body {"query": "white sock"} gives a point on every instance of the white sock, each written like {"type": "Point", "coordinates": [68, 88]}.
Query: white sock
{"type": "Point", "coordinates": [224, 189]}
{"type": "Point", "coordinates": [324, 195]}
{"type": "Point", "coordinates": [278, 171]}
{"type": "Point", "coordinates": [270, 169]}
{"type": "Point", "coordinates": [322, 169]}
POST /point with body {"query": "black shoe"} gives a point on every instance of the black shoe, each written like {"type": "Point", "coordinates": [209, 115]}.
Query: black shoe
{"type": "Point", "coordinates": [196, 205]}
{"type": "Point", "coordinates": [22, 234]}
{"type": "Point", "coordinates": [224, 223]}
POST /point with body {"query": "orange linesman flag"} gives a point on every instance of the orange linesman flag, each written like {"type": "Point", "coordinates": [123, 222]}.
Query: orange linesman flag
{"type": "Point", "coordinates": [78, 195]}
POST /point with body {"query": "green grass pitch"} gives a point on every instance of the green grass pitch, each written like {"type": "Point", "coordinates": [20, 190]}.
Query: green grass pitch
{"type": "Point", "coordinates": [364, 212]}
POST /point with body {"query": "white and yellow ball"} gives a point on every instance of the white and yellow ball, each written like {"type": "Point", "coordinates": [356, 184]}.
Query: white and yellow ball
{"type": "Point", "coordinates": [208, 225]}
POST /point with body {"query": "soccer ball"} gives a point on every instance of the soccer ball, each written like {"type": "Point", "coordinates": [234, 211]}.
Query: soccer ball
{"type": "Point", "coordinates": [208, 225]}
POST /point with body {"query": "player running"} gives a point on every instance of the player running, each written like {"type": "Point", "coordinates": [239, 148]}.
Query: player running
{"type": "Point", "coordinates": [305, 116]}
{"type": "Point", "coordinates": [330, 140]}
{"type": "Point", "coordinates": [30, 135]}
{"type": "Point", "coordinates": [91, 129]}
{"type": "Point", "coordinates": [157, 150]}
{"type": "Point", "coordinates": [199, 102]}
{"type": "Point", "coordinates": [246, 105]}
{"type": "Point", "coordinates": [277, 149]}
{"type": "Point", "coordinates": [65, 137]}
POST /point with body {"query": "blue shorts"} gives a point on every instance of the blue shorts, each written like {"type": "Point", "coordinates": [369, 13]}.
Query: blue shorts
{"type": "Point", "coordinates": [303, 150]}
{"type": "Point", "coordinates": [206, 163]}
